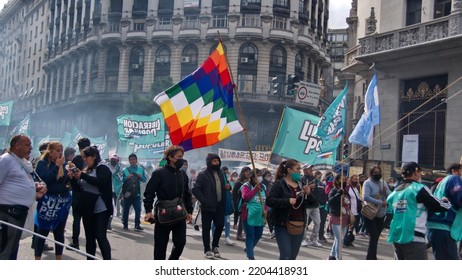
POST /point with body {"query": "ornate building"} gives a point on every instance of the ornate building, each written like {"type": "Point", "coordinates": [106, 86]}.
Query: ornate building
{"type": "Point", "coordinates": [100, 51]}
{"type": "Point", "coordinates": [414, 46]}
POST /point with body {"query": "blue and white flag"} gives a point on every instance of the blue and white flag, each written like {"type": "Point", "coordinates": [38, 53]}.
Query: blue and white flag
{"type": "Point", "coordinates": [331, 126]}
{"type": "Point", "coordinates": [364, 130]}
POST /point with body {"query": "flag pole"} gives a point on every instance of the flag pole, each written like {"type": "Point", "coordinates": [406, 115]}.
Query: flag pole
{"type": "Point", "coordinates": [241, 115]}
{"type": "Point", "coordinates": [276, 136]}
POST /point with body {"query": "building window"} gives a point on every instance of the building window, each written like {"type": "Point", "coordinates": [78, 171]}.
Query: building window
{"type": "Point", "coordinates": [162, 63]}
{"type": "Point", "coordinates": [442, 8]}
{"type": "Point", "coordinates": [316, 74]}
{"type": "Point", "coordinates": [278, 57]}
{"type": "Point", "coordinates": [115, 6]}
{"type": "Point", "coordinates": [189, 60]}
{"type": "Point", "coordinates": [279, 23]}
{"type": "Point", "coordinates": [299, 66]}
{"type": "Point", "coordinates": [164, 23]}
{"type": "Point", "coordinates": [138, 26]}
{"type": "Point", "coordinates": [112, 69]}
{"type": "Point", "coordinates": [413, 11]}
{"type": "Point", "coordinates": [248, 55]}
{"type": "Point", "coordinates": [247, 83]}
{"type": "Point", "coordinates": [251, 20]}
{"type": "Point", "coordinates": [281, 3]}
{"type": "Point", "coordinates": [220, 21]}
{"type": "Point", "coordinates": [191, 22]}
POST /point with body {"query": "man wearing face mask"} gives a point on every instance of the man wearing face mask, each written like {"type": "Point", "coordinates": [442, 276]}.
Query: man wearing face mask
{"type": "Point", "coordinates": [209, 189]}
{"type": "Point", "coordinates": [375, 191]}
{"type": "Point", "coordinates": [168, 183]}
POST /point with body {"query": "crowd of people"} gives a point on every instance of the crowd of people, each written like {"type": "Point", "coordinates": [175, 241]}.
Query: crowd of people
{"type": "Point", "coordinates": [285, 202]}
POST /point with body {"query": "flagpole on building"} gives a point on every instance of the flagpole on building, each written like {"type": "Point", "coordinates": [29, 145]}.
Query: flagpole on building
{"type": "Point", "coordinates": [241, 115]}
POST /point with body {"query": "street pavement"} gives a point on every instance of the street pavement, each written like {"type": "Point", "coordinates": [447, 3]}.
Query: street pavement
{"type": "Point", "coordinates": [134, 245]}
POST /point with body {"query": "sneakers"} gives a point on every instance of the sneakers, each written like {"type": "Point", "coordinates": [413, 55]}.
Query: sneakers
{"type": "Point", "coordinates": [331, 258]}
{"type": "Point", "coordinates": [273, 235]}
{"type": "Point", "coordinates": [304, 243]}
{"type": "Point", "coordinates": [240, 238]}
{"type": "Point", "coordinates": [322, 239]}
{"type": "Point", "coordinates": [316, 243]}
{"type": "Point", "coordinates": [209, 255]}
{"type": "Point", "coordinates": [196, 227]}
{"type": "Point", "coordinates": [216, 254]}
{"type": "Point", "coordinates": [229, 242]}
{"type": "Point", "coordinates": [125, 228]}
{"type": "Point", "coordinates": [138, 228]}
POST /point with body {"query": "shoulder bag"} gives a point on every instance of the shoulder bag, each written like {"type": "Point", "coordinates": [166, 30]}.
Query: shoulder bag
{"type": "Point", "coordinates": [369, 210]}
{"type": "Point", "coordinates": [171, 211]}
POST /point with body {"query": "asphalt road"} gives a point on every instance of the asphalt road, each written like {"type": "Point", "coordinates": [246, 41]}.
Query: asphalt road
{"type": "Point", "coordinates": [133, 245]}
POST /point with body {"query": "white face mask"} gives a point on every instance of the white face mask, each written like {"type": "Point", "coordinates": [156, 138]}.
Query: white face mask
{"type": "Point", "coordinates": [260, 179]}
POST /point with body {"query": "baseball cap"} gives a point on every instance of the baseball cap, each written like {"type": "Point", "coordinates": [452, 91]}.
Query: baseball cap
{"type": "Point", "coordinates": [115, 156]}
{"type": "Point", "coordinates": [409, 168]}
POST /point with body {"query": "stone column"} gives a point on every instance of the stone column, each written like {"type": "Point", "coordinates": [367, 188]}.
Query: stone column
{"type": "Point", "coordinates": [127, 8]}
{"type": "Point", "coordinates": [50, 93]}
{"type": "Point", "coordinates": [148, 67]}
{"type": "Point", "coordinates": [101, 67]}
{"type": "Point", "coordinates": [59, 72]}
{"type": "Point", "coordinates": [122, 84]}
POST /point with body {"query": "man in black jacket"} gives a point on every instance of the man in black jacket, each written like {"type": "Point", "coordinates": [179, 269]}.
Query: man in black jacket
{"type": "Point", "coordinates": [312, 211]}
{"type": "Point", "coordinates": [209, 189]}
{"type": "Point", "coordinates": [168, 183]}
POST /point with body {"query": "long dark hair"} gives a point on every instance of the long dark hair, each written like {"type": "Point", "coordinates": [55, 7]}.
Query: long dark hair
{"type": "Point", "coordinates": [242, 174]}
{"type": "Point", "coordinates": [281, 172]}
{"type": "Point", "coordinates": [92, 151]}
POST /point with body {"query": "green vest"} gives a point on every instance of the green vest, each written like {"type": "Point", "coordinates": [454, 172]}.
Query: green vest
{"type": "Point", "coordinates": [456, 227]}
{"type": "Point", "coordinates": [404, 205]}
{"type": "Point", "coordinates": [255, 208]}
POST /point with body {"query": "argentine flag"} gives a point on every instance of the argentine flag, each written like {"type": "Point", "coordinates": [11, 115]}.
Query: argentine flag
{"type": "Point", "coordinates": [364, 130]}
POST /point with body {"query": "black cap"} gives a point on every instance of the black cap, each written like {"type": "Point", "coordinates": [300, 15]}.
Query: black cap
{"type": "Point", "coordinates": [409, 168]}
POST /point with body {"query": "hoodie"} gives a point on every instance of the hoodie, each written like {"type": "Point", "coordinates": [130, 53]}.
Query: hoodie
{"type": "Point", "coordinates": [205, 187]}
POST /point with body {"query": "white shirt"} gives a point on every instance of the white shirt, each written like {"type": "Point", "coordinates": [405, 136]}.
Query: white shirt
{"type": "Point", "coordinates": [16, 185]}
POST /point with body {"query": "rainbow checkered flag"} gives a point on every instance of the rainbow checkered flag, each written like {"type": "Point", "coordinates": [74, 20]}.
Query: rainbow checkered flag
{"type": "Point", "coordinates": [199, 110]}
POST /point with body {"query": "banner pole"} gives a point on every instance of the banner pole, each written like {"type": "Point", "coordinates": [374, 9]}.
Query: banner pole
{"type": "Point", "coordinates": [342, 162]}
{"type": "Point", "coordinates": [276, 136]}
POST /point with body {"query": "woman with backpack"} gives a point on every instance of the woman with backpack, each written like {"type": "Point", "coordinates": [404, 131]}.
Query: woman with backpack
{"type": "Point", "coordinates": [253, 213]}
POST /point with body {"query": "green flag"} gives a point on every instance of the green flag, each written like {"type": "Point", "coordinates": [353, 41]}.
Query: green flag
{"type": "Point", "coordinates": [22, 127]}
{"type": "Point", "coordinates": [6, 108]}
{"type": "Point", "coordinates": [141, 129]}
{"type": "Point", "coordinates": [296, 139]}
{"type": "Point", "coordinates": [331, 126]}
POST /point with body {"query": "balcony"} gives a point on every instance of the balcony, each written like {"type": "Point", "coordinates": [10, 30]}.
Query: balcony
{"type": "Point", "coordinates": [420, 40]}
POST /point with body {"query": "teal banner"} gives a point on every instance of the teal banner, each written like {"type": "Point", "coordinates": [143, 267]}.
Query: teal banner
{"type": "Point", "coordinates": [22, 127]}
{"type": "Point", "coordinates": [6, 108]}
{"type": "Point", "coordinates": [141, 129]}
{"type": "Point", "coordinates": [101, 144]}
{"type": "Point", "coordinates": [297, 139]}
{"type": "Point", "coordinates": [331, 126]}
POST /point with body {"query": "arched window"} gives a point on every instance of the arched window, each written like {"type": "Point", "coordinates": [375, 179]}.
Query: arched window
{"type": "Point", "coordinates": [136, 71]}
{"type": "Point", "coordinates": [277, 69]}
{"type": "Point", "coordinates": [189, 60]}
{"type": "Point", "coordinates": [162, 63]}
{"type": "Point", "coordinates": [247, 68]}
{"type": "Point", "coordinates": [112, 69]}
{"type": "Point", "coordinates": [299, 66]}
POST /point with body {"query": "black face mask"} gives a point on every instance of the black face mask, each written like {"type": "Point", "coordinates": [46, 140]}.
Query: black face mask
{"type": "Point", "coordinates": [377, 177]}
{"type": "Point", "coordinates": [215, 167]}
{"type": "Point", "coordinates": [179, 163]}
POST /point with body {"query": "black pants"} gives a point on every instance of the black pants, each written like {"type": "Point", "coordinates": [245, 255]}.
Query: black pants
{"type": "Point", "coordinates": [161, 237]}
{"type": "Point", "coordinates": [322, 225]}
{"type": "Point", "coordinates": [75, 224]}
{"type": "Point", "coordinates": [218, 219]}
{"type": "Point", "coordinates": [374, 228]}
{"type": "Point", "coordinates": [95, 226]}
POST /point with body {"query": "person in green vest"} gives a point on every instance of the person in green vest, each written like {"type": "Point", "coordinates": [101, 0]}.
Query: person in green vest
{"type": "Point", "coordinates": [410, 203]}
{"type": "Point", "coordinates": [445, 228]}
{"type": "Point", "coordinates": [253, 213]}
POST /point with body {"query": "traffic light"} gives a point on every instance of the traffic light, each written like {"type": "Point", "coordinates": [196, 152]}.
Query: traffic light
{"type": "Point", "coordinates": [345, 151]}
{"type": "Point", "coordinates": [277, 84]}
{"type": "Point", "coordinates": [292, 84]}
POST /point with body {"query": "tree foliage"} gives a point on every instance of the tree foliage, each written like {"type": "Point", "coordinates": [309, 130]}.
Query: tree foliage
{"type": "Point", "coordinates": [142, 103]}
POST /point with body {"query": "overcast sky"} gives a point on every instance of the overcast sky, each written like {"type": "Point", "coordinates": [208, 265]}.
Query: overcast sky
{"type": "Point", "coordinates": [339, 10]}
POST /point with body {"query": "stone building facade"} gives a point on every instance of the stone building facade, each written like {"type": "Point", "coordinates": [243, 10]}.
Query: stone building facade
{"type": "Point", "coordinates": [414, 46]}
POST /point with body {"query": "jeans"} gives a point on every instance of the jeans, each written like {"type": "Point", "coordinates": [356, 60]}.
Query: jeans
{"type": "Point", "coordinates": [289, 245]}
{"type": "Point", "coordinates": [161, 237]}
{"type": "Point", "coordinates": [218, 219]}
{"type": "Point", "coordinates": [335, 250]}
{"type": "Point", "coordinates": [314, 215]}
{"type": "Point", "coordinates": [95, 226]}
{"type": "Point", "coordinates": [252, 236]}
{"type": "Point", "coordinates": [127, 202]}
{"type": "Point", "coordinates": [116, 201]}
{"type": "Point", "coordinates": [374, 228]}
